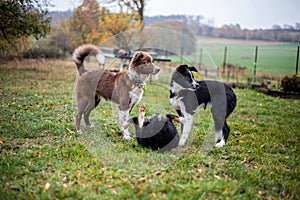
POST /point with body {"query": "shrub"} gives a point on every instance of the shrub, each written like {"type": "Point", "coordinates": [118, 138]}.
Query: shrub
{"type": "Point", "coordinates": [291, 84]}
{"type": "Point", "coordinates": [44, 52]}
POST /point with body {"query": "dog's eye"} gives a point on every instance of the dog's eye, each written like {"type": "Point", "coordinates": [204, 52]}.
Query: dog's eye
{"type": "Point", "coordinates": [146, 63]}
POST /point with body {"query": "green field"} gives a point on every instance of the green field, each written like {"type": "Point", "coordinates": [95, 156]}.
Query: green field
{"type": "Point", "coordinates": [41, 157]}
{"type": "Point", "coordinates": [273, 57]}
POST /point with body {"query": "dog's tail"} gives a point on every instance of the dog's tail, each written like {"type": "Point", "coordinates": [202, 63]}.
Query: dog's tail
{"type": "Point", "coordinates": [83, 51]}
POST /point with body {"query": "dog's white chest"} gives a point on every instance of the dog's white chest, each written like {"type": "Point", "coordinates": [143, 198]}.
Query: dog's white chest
{"type": "Point", "coordinates": [135, 95]}
{"type": "Point", "coordinates": [175, 102]}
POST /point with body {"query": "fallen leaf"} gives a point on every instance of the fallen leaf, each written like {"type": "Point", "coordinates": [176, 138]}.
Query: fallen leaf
{"type": "Point", "coordinates": [157, 173]}
{"type": "Point", "coordinates": [47, 186]}
{"type": "Point", "coordinates": [217, 177]}
{"type": "Point", "coordinates": [153, 194]}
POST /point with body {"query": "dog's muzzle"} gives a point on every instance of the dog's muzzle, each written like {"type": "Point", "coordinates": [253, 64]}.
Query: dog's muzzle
{"type": "Point", "coordinates": [155, 70]}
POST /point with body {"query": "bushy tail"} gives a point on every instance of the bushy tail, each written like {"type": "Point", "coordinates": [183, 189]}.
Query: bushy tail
{"type": "Point", "coordinates": [83, 51]}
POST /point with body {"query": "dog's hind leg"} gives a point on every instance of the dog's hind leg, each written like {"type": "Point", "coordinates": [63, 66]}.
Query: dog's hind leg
{"type": "Point", "coordinates": [219, 119]}
{"type": "Point", "coordinates": [78, 119]}
{"type": "Point", "coordinates": [82, 105]}
{"type": "Point", "coordinates": [226, 131]}
{"type": "Point", "coordinates": [97, 100]}
{"type": "Point", "coordinates": [91, 106]}
{"type": "Point", "coordinates": [87, 113]}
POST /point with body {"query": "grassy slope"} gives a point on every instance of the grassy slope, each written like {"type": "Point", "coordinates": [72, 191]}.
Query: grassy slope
{"type": "Point", "coordinates": [42, 158]}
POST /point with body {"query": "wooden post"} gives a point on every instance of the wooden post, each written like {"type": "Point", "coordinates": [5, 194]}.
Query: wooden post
{"type": "Point", "coordinates": [224, 60]}
{"type": "Point", "coordinates": [166, 56]}
{"type": "Point", "coordinates": [228, 74]}
{"type": "Point", "coordinates": [255, 64]}
{"type": "Point", "coordinates": [200, 56]}
{"type": "Point", "coordinates": [297, 60]}
{"type": "Point", "coordinates": [181, 54]}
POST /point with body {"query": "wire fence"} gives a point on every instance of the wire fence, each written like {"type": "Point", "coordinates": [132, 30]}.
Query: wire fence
{"type": "Point", "coordinates": [237, 62]}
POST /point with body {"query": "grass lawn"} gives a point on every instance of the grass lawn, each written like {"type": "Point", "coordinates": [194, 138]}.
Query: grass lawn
{"type": "Point", "coordinates": [273, 57]}
{"type": "Point", "coordinates": [41, 157]}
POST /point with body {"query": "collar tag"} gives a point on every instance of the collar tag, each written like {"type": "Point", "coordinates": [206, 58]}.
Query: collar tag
{"type": "Point", "coordinates": [144, 88]}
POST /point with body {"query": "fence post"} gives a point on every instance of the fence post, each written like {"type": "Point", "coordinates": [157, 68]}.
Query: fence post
{"type": "Point", "coordinates": [255, 64]}
{"type": "Point", "coordinates": [297, 60]}
{"type": "Point", "coordinates": [181, 54]}
{"type": "Point", "coordinates": [200, 57]}
{"type": "Point", "coordinates": [224, 60]}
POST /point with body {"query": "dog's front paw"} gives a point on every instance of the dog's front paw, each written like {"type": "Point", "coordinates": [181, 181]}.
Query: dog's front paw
{"type": "Point", "coordinates": [181, 142]}
{"type": "Point", "coordinates": [127, 137]}
{"type": "Point", "coordinates": [220, 144]}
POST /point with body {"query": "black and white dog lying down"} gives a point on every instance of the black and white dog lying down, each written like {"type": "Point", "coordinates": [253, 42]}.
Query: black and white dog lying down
{"type": "Point", "coordinates": [186, 95]}
{"type": "Point", "coordinates": [158, 133]}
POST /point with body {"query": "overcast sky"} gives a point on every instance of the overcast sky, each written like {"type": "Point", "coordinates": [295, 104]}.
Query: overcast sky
{"type": "Point", "coordinates": [249, 14]}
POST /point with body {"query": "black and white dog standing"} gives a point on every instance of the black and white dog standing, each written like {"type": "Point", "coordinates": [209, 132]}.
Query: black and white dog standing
{"type": "Point", "coordinates": [186, 95]}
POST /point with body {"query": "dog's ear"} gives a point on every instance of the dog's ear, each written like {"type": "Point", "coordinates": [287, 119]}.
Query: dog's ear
{"type": "Point", "coordinates": [182, 68]}
{"type": "Point", "coordinates": [174, 118]}
{"type": "Point", "coordinates": [138, 56]}
{"type": "Point", "coordinates": [193, 69]}
{"type": "Point", "coordinates": [136, 59]}
{"type": "Point", "coordinates": [171, 117]}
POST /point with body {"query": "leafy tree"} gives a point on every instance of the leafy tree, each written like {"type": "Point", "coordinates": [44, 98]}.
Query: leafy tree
{"type": "Point", "coordinates": [84, 23]}
{"type": "Point", "coordinates": [91, 23]}
{"type": "Point", "coordinates": [129, 17]}
{"type": "Point", "coordinates": [134, 7]}
{"type": "Point", "coordinates": [118, 26]}
{"type": "Point", "coordinates": [21, 19]}
{"type": "Point", "coordinates": [60, 37]}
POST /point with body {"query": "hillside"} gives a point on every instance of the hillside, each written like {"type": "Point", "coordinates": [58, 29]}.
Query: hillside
{"type": "Point", "coordinates": [200, 26]}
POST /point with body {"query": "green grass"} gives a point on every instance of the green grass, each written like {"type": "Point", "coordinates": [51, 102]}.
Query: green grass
{"type": "Point", "coordinates": [273, 57]}
{"type": "Point", "coordinates": [41, 157]}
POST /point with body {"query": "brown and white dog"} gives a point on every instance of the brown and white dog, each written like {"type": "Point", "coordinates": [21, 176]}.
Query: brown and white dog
{"type": "Point", "coordinates": [123, 88]}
